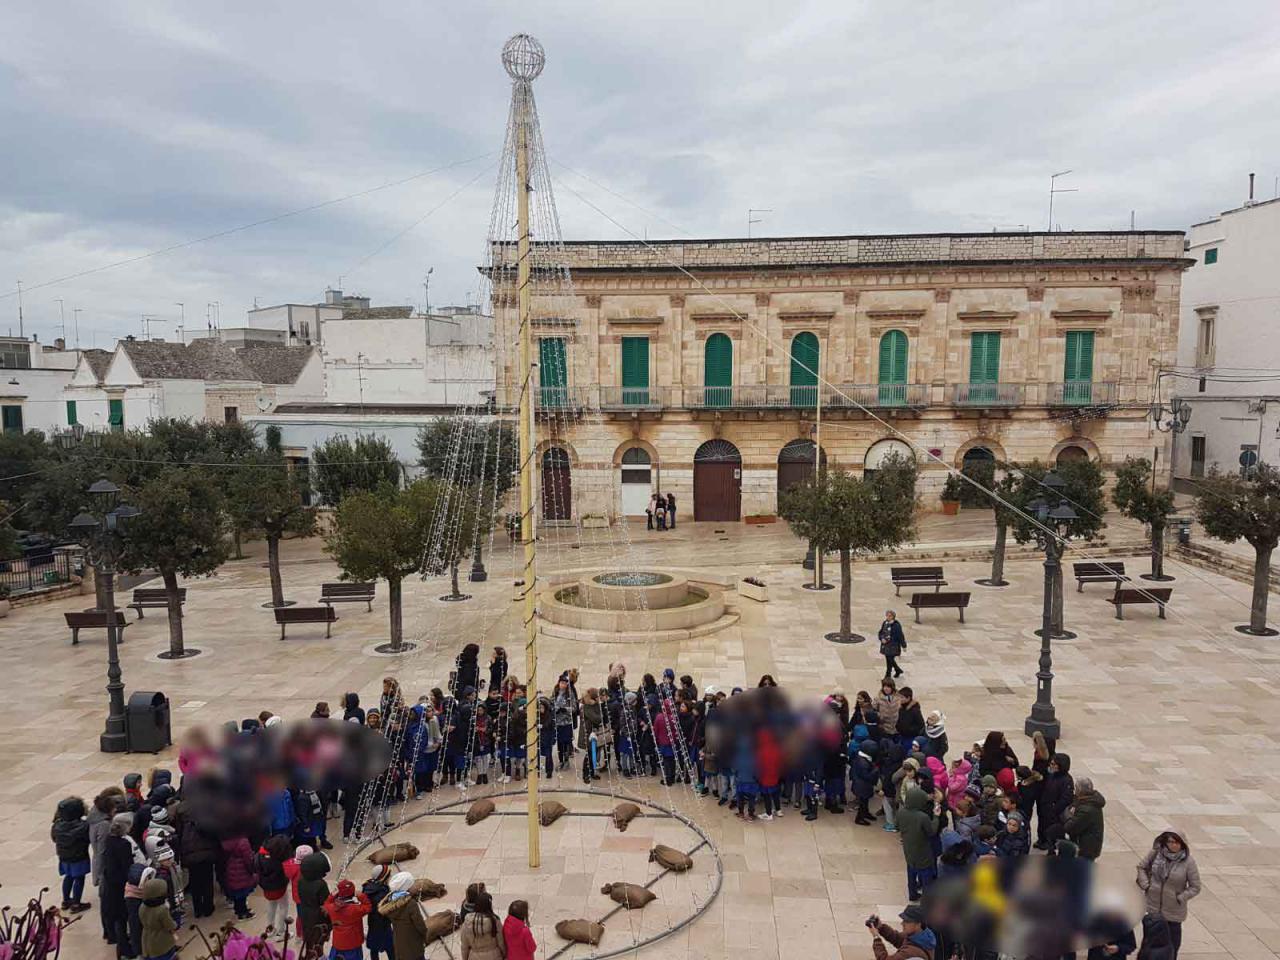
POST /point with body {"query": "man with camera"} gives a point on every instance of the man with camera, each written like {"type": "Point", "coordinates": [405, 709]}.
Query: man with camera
{"type": "Point", "coordinates": [914, 942]}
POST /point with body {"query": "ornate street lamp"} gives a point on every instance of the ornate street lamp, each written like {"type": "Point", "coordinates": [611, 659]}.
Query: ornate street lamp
{"type": "Point", "coordinates": [102, 535]}
{"type": "Point", "coordinates": [1054, 518]}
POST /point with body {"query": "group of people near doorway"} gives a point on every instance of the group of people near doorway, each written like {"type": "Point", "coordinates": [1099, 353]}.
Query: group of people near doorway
{"type": "Point", "coordinates": [661, 511]}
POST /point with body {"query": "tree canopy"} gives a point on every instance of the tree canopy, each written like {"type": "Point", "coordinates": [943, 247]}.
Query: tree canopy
{"type": "Point", "coordinates": [342, 466]}
{"type": "Point", "coordinates": [1084, 492]}
{"type": "Point", "coordinates": [1231, 507]}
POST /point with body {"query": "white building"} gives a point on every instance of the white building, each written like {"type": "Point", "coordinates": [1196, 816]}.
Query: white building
{"type": "Point", "coordinates": [1229, 343]}
{"type": "Point", "coordinates": [32, 380]}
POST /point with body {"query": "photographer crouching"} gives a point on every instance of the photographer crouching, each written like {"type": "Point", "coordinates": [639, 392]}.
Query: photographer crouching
{"type": "Point", "coordinates": [914, 942]}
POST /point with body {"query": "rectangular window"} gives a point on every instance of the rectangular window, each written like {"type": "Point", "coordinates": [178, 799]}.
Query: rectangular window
{"type": "Point", "coordinates": [1211, 256]}
{"type": "Point", "coordinates": [230, 414]}
{"type": "Point", "coordinates": [1205, 342]}
{"type": "Point", "coordinates": [984, 367]}
{"type": "Point", "coordinates": [553, 373]}
{"type": "Point", "coordinates": [15, 356]}
{"type": "Point", "coordinates": [1078, 369]}
{"type": "Point", "coordinates": [1197, 456]}
{"type": "Point", "coordinates": [635, 370]}
{"type": "Point", "coordinates": [71, 413]}
{"type": "Point", "coordinates": [115, 415]}
{"type": "Point", "coordinates": [12, 417]}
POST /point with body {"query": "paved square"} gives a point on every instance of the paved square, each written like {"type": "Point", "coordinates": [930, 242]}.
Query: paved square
{"type": "Point", "coordinates": [1172, 718]}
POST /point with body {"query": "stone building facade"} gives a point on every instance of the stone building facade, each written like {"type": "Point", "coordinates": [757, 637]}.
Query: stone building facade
{"type": "Point", "coordinates": [690, 366]}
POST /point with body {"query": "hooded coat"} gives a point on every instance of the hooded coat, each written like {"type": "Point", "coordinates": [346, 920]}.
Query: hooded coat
{"type": "Point", "coordinates": [1056, 794]}
{"type": "Point", "coordinates": [1157, 943]}
{"type": "Point", "coordinates": [347, 917]}
{"type": "Point", "coordinates": [408, 926]}
{"type": "Point", "coordinates": [864, 771]}
{"type": "Point", "coordinates": [911, 719]}
{"type": "Point", "coordinates": [157, 921]}
{"type": "Point", "coordinates": [70, 831]}
{"type": "Point", "coordinates": [1168, 881]}
{"type": "Point", "coordinates": [916, 946]}
{"type": "Point", "coordinates": [313, 891]}
{"type": "Point", "coordinates": [958, 782]}
{"type": "Point", "coordinates": [917, 825]}
{"type": "Point", "coordinates": [957, 854]}
{"type": "Point", "coordinates": [1085, 825]}
{"type": "Point", "coordinates": [241, 869]}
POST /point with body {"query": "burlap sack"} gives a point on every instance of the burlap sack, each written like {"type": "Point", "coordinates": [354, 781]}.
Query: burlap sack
{"type": "Point", "coordinates": [425, 889]}
{"type": "Point", "coordinates": [549, 811]}
{"type": "Point", "coordinates": [396, 853]}
{"type": "Point", "coordinates": [580, 931]}
{"type": "Point", "coordinates": [671, 858]}
{"type": "Point", "coordinates": [630, 895]}
{"type": "Point", "coordinates": [478, 811]}
{"type": "Point", "coordinates": [440, 925]}
{"type": "Point", "coordinates": [624, 813]}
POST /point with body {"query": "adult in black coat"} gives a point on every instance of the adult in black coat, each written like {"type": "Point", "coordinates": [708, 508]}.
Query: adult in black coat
{"type": "Point", "coordinates": [200, 853]}
{"type": "Point", "coordinates": [1157, 942]}
{"type": "Point", "coordinates": [313, 891]}
{"type": "Point", "coordinates": [466, 671]}
{"type": "Point", "coordinates": [117, 858]}
{"type": "Point", "coordinates": [910, 717]}
{"type": "Point", "coordinates": [70, 835]}
{"type": "Point", "coordinates": [996, 755]}
{"type": "Point", "coordinates": [1056, 795]}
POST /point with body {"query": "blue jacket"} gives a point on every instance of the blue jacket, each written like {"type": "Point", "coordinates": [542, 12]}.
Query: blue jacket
{"type": "Point", "coordinates": [865, 774]}
{"type": "Point", "coordinates": [282, 811]}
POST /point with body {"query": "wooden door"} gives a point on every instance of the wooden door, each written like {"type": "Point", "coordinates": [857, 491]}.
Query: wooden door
{"type": "Point", "coordinates": [717, 482]}
{"type": "Point", "coordinates": [557, 486]}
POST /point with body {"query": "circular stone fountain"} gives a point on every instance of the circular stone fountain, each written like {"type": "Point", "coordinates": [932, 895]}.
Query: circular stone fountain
{"type": "Point", "coordinates": [625, 605]}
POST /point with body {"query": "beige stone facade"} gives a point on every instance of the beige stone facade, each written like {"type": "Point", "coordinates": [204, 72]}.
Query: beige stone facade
{"type": "Point", "coordinates": [1120, 290]}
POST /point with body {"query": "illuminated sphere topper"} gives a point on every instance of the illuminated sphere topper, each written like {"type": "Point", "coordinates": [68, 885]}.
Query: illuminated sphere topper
{"type": "Point", "coordinates": [523, 57]}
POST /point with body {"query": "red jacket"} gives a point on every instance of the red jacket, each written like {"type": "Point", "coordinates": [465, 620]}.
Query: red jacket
{"type": "Point", "coordinates": [768, 760]}
{"type": "Point", "coordinates": [348, 920]}
{"type": "Point", "coordinates": [293, 870]}
{"type": "Point", "coordinates": [519, 938]}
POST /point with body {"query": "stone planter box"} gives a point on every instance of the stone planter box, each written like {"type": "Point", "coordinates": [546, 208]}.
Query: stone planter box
{"type": "Point", "coordinates": [594, 523]}
{"type": "Point", "coordinates": [753, 592]}
{"type": "Point", "coordinates": [760, 518]}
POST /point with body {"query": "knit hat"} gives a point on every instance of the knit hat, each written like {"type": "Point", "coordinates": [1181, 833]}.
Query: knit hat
{"type": "Point", "coordinates": [668, 674]}
{"type": "Point", "coordinates": [160, 816]}
{"type": "Point", "coordinates": [302, 850]}
{"type": "Point", "coordinates": [1066, 849]}
{"type": "Point", "coordinates": [912, 764]}
{"type": "Point", "coordinates": [401, 882]}
{"type": "Point", "coordinates": [1016, 817]}
{"type": "Point", "coordinates": [273, 721]}
{"type": "Point", "coordinates": [630, 697]}
{"type": "Point", "coordinates": [346, 889]}
{"type": "Point", "coordinates": [132, 781]}
{"type": "Point", "coordinates": [381, 872]}
{"type": "Point", "coordinates": [989, 782]}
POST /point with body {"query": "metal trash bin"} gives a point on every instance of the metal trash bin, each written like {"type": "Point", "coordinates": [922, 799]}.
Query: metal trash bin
{"type": "Point", "coordinates": [147, 716]}
{"type": "Point", "coordinates": [1183, 527]}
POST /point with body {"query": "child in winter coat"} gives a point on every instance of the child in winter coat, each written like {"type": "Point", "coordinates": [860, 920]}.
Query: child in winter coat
{"type": "Point", "coordinates": [270, 861]}
{"type": "Point", "coordinates": [347, 909]}
{"type": "Point", "coordinates": [864, 777]}
{"type": "Point", "coordinates": [70, 835]}
{"type": "Point", "coordinates": [293, 870]}
{"type": "Point", "coordinates": [957, 781]}
{"type": "Point", "coordinates": [158, 924]}
{"type": "Point", "coordinates": [1014, 841]}
{"type": "Point", "coordinates": [516, 932]}
{"type": "Point", "coordinates": [380, 938]}
{"type": "Point", "coordinates": [939, 770]}
{"type": "Point", "coordinates": [241, 874]}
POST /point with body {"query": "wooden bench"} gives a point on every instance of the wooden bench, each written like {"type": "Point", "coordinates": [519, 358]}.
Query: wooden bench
{"type": "Point", "coordinates": [147, 599]}
{"type": "Point", "coordinates": [1157, 595]}
{"type": "Point", "coordinates": [1098, 573]}
{"type": "Point", "coordinates": [927, 601]}
{"type": "Point", "coordinates": [916, 577]}
{"type": "Point", "coordinates": [331, 593]}
{"type": "Point", "coordinates": [288, 615]}
{"type": "Point", "coordinates": [95, 620]}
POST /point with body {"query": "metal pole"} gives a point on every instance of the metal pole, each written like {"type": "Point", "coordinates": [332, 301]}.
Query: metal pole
{"type": "Point", "coordinates": [527, 439]}
{"type": "Point", "coordinates": [817, 463]}
{"type": "Point", "coordinates": [115, 738]}
{"type": "Point", "coordinates": [1042, 715]}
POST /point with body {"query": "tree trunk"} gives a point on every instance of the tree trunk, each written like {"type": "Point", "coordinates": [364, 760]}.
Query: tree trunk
{"type": "Point", "coordinates": [397, 620]}
{"type": "Point", "coordinates": [176, 648]}
{"type": "Point", "coordinates": [99, 591]}
{"type": "Point", "coordinates": [235, 537]}
{"type": "Point", "coordinates": [453, 580]}
{"type": "Point", "coordinates": [1057, 600]}
{"type": "Point", "coordinates": [1261, 587]}
{"type": "Point", "coordinates": [273, 564]}
{"type": "Point", "coordinates": [997, 554]}
{"type": "Point", "coordinates": [846, 593]}
{"type": "Point", "coordinates": [1157, 551]}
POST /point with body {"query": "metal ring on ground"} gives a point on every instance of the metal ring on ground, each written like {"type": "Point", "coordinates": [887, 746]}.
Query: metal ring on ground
{"type": "Point", "coordinates": [614, 796]}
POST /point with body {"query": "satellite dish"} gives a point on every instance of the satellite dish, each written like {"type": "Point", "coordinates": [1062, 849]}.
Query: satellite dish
{"type": "Point", "coordinates": [264, 402]}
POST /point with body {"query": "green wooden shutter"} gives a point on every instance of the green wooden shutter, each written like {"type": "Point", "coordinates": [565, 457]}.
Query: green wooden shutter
{"type": "Point", "coordinates": [115, 415]}
{"type": "Point", "coordinates": [635, 370]}
{"type": "Point", "coordinates": [71, 413]}
{"type": "Point", "coordinates": [1078, 371]}
{"type": "Point", "coordinates": [717, 373]}
{"type": "Point", "coordinates": [804, 370]}
{"type": "Point", "coordinates": [553, 375]}
{"type": "Point", "coordinates": [984, 367]}
{"type": "Point", "coordinates": [893, 369]}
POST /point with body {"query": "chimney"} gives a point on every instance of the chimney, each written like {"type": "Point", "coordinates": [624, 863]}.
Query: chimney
{"type": "Point", "coordinates": [1251, 188]}
{"type": "Point", "coordinates": [59, 343]}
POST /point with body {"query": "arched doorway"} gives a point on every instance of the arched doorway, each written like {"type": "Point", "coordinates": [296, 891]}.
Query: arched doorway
{"type": "Point", "coordinates": [557, 485]}
{"type": "Point", "coordinates": [636, 481]}
{"type": "Point", "coordinates": [795, 464]}
{"type": "Point", "coordinates": [882, 449]}
{"type": "Point", "coordinates": [1072, 454]}
{"type": "Point", "coordinates": [717, 481]}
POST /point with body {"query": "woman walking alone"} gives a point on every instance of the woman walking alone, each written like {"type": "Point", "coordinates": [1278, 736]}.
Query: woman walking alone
{"type": "Point", "coordinates": [892, 642]}
{"type": "Point", "coordinates": [1169, 877]}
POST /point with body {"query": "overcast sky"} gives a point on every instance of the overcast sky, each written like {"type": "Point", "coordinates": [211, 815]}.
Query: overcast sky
{"type": "Point", "coordinates": [130, 126]}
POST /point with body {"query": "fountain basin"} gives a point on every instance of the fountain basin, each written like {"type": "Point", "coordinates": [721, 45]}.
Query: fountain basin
{"type": "Point", "coordinates": [631, 603]}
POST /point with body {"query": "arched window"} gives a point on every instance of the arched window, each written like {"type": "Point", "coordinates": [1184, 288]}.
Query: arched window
{"type": "Point", "coordinates": [717, 371]}
{"type": "Point", "coordinates": [893, 369]}
{"type": "Point", "coordinates": [636, 456]}
{"type": "Point", "coordinates": [879, 451]}
{"type": "Point", "coordinates": [1072, 454]}
{"type": "Point", "coordinates": [804, 370]}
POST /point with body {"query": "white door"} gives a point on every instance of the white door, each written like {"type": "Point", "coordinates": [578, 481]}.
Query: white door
{"type": "Point", "coordinates": [635, 479]}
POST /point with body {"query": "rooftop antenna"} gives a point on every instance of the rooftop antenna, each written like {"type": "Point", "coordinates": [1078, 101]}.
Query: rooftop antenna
{"type": "Point", "coordinates": [217, 316]}
{"type": "Point", "coordinates": [1054, 189]}
{"type": "Point", "coordinates": [360, 379]}
{"type": "Point", "coordinates": [146, 324]}
{"type": "Point", "coordinates": [21, 330]}
{"type": "Point", "coordinates": [208, 318]}
{"type": "Point", "coordinates": [62, 317]}
{"type": "Point", "coordinates": [1251, 188]}
{"type": "Point", "coordinates": [1132, 220]}
{"type": "Point", "coordinates": [182, 321]}
{"type": "Point", "coordinates": [76, 317]}
{"type": "Point", "coordinates": [752, 220]}
{"type": "Point", "coordinates": [426, 290]}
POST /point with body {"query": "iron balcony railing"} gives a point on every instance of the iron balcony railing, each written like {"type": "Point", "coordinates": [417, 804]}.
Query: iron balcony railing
{"type": "Point", "coordinates": [553, 398]}
{"type": "Point", "coordinates": [1080, 393]}
{"type": "Point", "coordinates": [988, 394]}
{"type": "Point", "coordinates": [876, 396]}
{"type": "Point", "coordinates": [843, 396]}
{"type": "Point", "coordinates": [634, 398]}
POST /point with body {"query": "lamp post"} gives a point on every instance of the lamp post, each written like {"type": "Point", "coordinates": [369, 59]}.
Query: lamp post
{"type": "Point", "coordinates": [102, 535]}
{"type": "Point", "coordinates": [1055, 517]}
{"type": "Point", "coordinates": [1179, 415]}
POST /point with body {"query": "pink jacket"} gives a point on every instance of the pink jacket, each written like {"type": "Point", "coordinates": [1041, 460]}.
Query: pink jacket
{"type": "Point", "coordinates": [939, 771]}
{"type": "Point", "coordinates": [957, 782]}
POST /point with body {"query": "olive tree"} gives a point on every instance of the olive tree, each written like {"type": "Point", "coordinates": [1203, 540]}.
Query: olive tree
{"type": "Point", "coordinates": [1230, 508]}
{"type": "Point", "coordinates": [1135, 496]}
{"type": "Point", "coordinates": [264, 494]}
{"type": "Point", "coordinates": [342, 466]}
{"type": "Point", "coordinates": [853, 515]}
